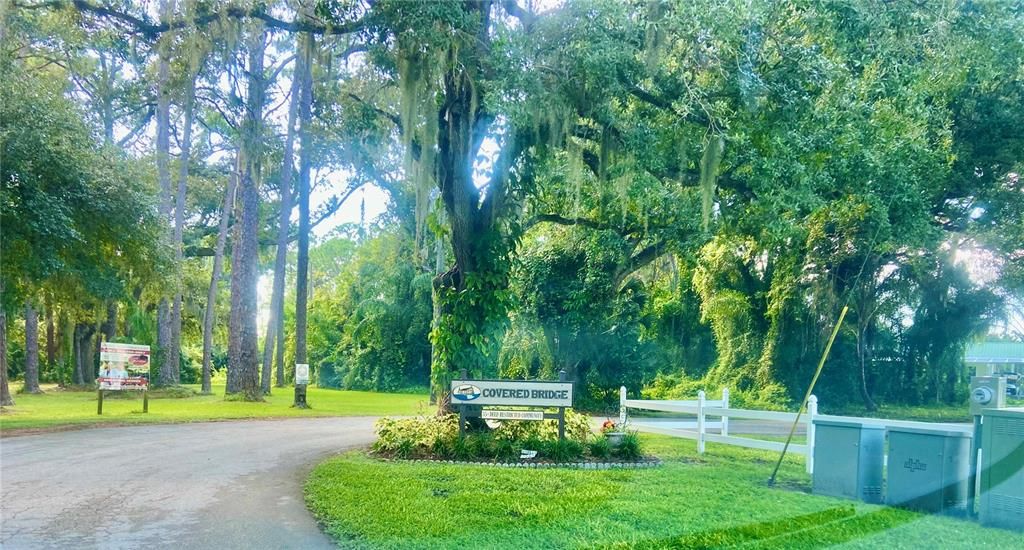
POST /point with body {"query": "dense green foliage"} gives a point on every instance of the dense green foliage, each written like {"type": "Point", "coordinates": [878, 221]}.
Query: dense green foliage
{"type": "Point", "coordinates": [665, 195]}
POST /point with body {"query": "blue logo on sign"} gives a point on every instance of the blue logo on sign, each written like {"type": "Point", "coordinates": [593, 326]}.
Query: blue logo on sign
{"type": "Point", "coordinates": [466, 392]}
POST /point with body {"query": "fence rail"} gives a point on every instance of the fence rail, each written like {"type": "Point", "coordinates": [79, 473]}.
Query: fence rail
{"type": "Point", "coordinates": [703, 408]}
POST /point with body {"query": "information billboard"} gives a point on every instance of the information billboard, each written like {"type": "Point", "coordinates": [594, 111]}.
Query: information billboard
{"type": "Point", "coordinates": [123, 367]}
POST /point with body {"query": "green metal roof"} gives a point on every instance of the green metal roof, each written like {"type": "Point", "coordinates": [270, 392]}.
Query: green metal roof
{"type": "Point", "coordinates": [995, 352]}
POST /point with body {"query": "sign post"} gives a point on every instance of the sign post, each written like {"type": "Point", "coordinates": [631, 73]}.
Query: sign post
{"type": "Point", "coordinates": [123, 367]}
{"type": "Point", "coordinates": [472, 396]}
{"type": "Point", "coordinates": [561, 411]}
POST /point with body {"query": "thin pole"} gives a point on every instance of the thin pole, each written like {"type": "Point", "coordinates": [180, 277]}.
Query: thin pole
{"type": "Point", "coordinates": [807, 396]}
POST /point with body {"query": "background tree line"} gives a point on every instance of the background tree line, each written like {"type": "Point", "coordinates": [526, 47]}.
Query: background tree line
{"type": "Point", "coordinates": [639, 193]}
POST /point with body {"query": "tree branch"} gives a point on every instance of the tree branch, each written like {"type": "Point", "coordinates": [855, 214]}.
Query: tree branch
{"type": "Point", "coordinates": [142, 25]}
{"type": "Point", "coordinates": [562, 220]}
{"type": "Point", "coordinates": [637, 261]}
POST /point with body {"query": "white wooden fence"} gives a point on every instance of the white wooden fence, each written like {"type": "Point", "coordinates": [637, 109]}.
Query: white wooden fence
{"type": "Point", "coordinates": [703, 408]}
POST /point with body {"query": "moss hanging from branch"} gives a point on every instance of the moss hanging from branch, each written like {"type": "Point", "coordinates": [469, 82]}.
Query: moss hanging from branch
{"type": "Point", "coordinates": [419, 125]}
{"type": "Point", "coordinates": [709, 175]}
{"type": "Point", "coordinates": [654, 35]}
{"type": "Point", "coordinates": [605, 153]}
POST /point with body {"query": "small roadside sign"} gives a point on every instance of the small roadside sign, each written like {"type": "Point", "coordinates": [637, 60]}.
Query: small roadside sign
{"type": "Point", "coordinates": [301, 374]}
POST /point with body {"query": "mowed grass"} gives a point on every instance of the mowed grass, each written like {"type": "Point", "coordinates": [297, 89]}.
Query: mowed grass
{"type": "Point", "coordinates": [57, 408]}
{"type": "Point", "coordinates": [922, 413]}
{"type": "Point", "coordinates": [717, 500]}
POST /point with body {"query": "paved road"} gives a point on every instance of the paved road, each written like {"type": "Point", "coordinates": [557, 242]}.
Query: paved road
{"type": "Point", "coordinates": [210, 485]}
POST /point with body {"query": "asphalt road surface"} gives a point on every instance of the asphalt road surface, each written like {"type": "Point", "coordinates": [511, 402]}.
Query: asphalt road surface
{"type": "Point", "coordinates": [206, 485]}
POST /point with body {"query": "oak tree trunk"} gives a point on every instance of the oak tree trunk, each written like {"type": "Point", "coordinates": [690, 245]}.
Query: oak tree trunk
{"type": "Point", "coordinates": [51, 344]}
{"type": "Point", "coordinates": [243, 359]}
{"type": "Point", "coordinates": [862, 359]}
{"type": "Point", "coordinates": [5, 391]}
{"type": "Point", "coordinates": [76, 356]}
{"type": "Point", "coordinates": [168, 369]}
{"type": "Point", "coordinates": [31, 350]}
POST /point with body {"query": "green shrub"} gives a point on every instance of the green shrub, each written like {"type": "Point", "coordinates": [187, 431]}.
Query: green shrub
{"type": "Point", "coordinates": [463, 449]}
{"type": "Point", "coordinates": [481, 446]}
{"type": "Point", "coordinates": [439, 436]}
{"type": "Point", "coordinates": [419, 435]}
{"type": "Point", "coordinates": [562, 450]}
{"type": "Point", "coordinates": [442, 447]}
{"type": "Point", "coordinates": [533, 444]}
{"type": "Point", "coordinates": [505, 450]}
{"type": "Point", "coordinates": [577, 428]}
{"type": "Point", "coordinates": [600, 447]}
{"type": "Point", "coordinates": [630, 449]}
{"type": "Point", "coordinates": [405, 449]}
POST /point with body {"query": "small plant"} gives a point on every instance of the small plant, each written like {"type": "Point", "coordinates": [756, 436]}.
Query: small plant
{"type": "Point", "coordinates": [629, 448]}
{"type": "Point", "coordinates": [481, 446]}
{"type": "Point", "coordinates": [405, 449]}
{"type": "Point", "coordinates": [563, 450]}
{"type": "Point", "coordinates": [463, 449]}
{"type": "Point", "coordinates": [600, 447]}
{"type": "Point", "coordinates": [505, 450]}
{"type": "Point", "coordinates": [442, 447]}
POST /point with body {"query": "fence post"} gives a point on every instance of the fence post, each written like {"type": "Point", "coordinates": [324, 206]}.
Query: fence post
{"type": "Point", "coordinates": [725, 405]}
{"type": "Point", "coordinates": [700, 422]}
{"type": "Point", "coordinates": [622, 406]}
{"type": "Point", "coordinates": [812, 411]}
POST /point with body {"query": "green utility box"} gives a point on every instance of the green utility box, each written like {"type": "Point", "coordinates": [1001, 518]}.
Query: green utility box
{"type": "Point", "coordinates": [929, 469]}
{"type": "Point", "coordinates": [1002, 468]}
{"type": "Point", "coordinates": [848, 460]}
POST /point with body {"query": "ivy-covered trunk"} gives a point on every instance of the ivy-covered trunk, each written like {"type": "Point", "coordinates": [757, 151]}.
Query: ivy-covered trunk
{"type": "Point", "coordinates": [472, 296]}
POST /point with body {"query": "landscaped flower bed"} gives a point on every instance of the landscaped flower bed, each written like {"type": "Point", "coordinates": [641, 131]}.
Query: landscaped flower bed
{"type": "Point", "coordinates": [528, 443]}
{"type": "Point", "coordinates": [647, 462]}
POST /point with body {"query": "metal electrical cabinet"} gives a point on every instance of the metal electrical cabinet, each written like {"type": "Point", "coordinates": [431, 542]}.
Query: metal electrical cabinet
{"type": "Point", "coordinates": [928, 469]}
{"type": "Point", "coordinates": [848, 460]}
{"type": "Point", "coordinates": [1002, 468]}
{"type": "Point", "coordinates": [987, 392]}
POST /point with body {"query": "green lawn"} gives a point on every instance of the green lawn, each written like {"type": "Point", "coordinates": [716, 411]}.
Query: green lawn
{"type": "Point", "coordinates": [57, 408]}
{"type": "Point", "coordinates": [718, 500]}
{"type": "Point", "coordinates": [923, 413]}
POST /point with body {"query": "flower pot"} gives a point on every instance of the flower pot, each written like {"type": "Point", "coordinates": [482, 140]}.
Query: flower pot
{"type": "Point", "coordinates": [615, 438]}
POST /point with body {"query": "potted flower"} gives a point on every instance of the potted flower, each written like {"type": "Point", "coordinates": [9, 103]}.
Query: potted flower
{"type": "Point", "coordinates": [613, 432]}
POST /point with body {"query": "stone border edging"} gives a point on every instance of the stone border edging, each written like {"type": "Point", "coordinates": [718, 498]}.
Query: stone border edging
{"type": "Point", "coordinates": [543, 465]}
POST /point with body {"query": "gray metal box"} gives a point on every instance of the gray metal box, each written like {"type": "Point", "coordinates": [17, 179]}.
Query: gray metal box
{"type": "Point", "coordinates": [848, 458]}
{"type": "Point", "coordinates": [928, 469]}
{"type": "Point", "coordinates": [987, 392]}
{"type": "Point", "coordinates": [1002, 468]}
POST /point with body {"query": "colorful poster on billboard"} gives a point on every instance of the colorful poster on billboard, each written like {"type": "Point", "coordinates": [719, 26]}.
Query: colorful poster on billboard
{"type": "Point", "coordinates": [123, 367]}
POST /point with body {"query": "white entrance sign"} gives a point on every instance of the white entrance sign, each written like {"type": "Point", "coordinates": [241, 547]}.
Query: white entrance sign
{"type": "Point", "coordinates": [488, 414]}
{"type": "Point", "coordinates": [302, 373]}
{"type": "Point", "coordinates": [511, 392]}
